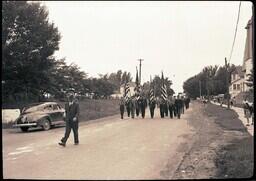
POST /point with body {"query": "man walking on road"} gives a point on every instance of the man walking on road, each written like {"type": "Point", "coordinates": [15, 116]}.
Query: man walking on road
{"type": "Point", "coordinates": [71, 118]}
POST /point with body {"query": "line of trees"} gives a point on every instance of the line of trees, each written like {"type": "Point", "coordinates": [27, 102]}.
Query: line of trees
{"type": "Point", "coordinates": [30, 70]}
{"type": "Point", "coordinates": [157, 83]}
{"type": "Point", "coordinates": [212, 80]}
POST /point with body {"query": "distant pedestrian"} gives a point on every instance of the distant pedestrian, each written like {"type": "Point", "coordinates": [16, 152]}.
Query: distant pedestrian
{"type": "Point", "coordinates": [247, 112]}
{"type": "Point", "coordinates": [122, 105]}
{"type": "Point", "coordinates": [71, 118]}
{"type": "Point", "coordinates": [187, 101]}
{"type": "Point", "coordinates": [232, 101]}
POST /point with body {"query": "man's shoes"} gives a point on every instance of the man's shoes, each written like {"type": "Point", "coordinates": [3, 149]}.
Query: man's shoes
{"type": "Point", "coordinates": [62, 144]}
{"type": "Point", "coordinates": [76, 144]}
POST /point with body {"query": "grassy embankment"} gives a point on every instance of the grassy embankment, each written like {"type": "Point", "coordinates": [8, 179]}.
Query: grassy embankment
{"type": "Point", "coordinates": [93, 109]}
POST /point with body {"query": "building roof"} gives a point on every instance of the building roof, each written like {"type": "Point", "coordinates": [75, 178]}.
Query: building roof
{"type": "Point", "coordinates": [238, 71]}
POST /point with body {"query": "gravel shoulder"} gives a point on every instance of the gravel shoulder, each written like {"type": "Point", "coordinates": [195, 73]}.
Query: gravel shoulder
{"type": "Point", "coordinates": [220, 146]}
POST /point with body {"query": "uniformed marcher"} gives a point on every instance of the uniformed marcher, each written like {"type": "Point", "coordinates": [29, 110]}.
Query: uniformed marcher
{"type": "Point", "coordinates": [128, 106]}
{"type": "Point", "coordinates": [133, 106]}
{"type": "Point", "coordinates": [152, 105]}
{"type": "Point", "coordinates": [162, 107]}
{"type": "Point", "coordinates": [174, 108]}
{"type": "Point", "coordinates": [166, 107]}
{"type": "Point", "coordinates": [137, 106]}
{"type": "Point", "coordinates": [171, 106]}
{"type": "Point", "coordinates": [183, 104]}
{"type": "Point", "coordinates": [71, 118]}
{"type": "Point", "coordinates": [143, 105]}
{"type": "Point", "coordinates": [122, 105]}
{"type": "Point", "coordinates": [178, 106]}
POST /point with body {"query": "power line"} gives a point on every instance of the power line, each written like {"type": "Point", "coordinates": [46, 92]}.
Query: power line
{"type": "Point", "coordinates": [235, 32]}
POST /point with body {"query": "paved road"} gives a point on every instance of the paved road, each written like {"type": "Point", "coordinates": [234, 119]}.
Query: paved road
{"type": "Point", "coordinates": [109, 148]}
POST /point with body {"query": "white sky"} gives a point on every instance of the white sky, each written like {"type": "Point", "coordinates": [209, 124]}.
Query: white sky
{"type": "Point", "coordinates": [179, 38]}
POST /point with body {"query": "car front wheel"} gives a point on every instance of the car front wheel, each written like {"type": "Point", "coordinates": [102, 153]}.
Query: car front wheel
{"type": "Point", "coordinates": [24, 129]}
{"type": "Point", "coordinates": [46, 124]}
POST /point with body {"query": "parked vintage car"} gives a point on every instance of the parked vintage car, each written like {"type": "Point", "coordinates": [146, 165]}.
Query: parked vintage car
{"type": "Point", "coordinates": [43, 115]}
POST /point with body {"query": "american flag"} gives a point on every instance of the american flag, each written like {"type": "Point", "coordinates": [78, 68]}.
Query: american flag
{"type": "Point", "coordinates": [151, 91]}
{"type": "Point", "coordinates": [126, 91]}
{"type": "Point", "coordinates": [163, 89]}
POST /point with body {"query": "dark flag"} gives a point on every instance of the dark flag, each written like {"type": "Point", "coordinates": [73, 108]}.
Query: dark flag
{"type": "Point", "coordinates": [137, 89]}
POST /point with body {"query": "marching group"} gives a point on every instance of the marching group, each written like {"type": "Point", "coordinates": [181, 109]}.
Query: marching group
{"type": "Point", "coordinates": [173, 105]}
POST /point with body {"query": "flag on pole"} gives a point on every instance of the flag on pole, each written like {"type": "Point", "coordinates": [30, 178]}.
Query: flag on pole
{"type": "Point", "coordinates": [163, 89]}
{"type": "Point", "coordinates": [137, 88]}
{"type": "Point", "coordinates": [126, 91]}
{"type": "Point", "coordinates": [151, 91]}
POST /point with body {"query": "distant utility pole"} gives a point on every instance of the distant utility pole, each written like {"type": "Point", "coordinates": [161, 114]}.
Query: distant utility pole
{"type": "Point", "coordinates": [227, 82]}
{"type": "Point", "coordinates": [140, 68]}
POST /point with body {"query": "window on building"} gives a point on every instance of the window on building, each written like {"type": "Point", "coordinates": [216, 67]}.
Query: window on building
{"type": "Point", "coordinates": [234, 76]}
{"type": "Point", "coordinates": [234, 86]}
{"type": "Point", "coordinates": [238, 87]}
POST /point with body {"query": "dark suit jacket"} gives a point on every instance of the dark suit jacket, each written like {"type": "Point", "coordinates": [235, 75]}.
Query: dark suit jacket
{"type": "Point", "coordinates": [178, 103]}
{"type": "Point", "coordinates": [72, 110]}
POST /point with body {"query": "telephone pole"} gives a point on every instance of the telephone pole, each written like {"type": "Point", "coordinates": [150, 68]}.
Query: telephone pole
{"type": "Point", "coordinates": [140, 68]}
{"type": "Point", "coordinates": [227, 82]}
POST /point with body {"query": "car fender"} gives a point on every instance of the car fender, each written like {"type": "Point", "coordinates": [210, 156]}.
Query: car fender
{"type": "Point", "coordinates": [40, 121]}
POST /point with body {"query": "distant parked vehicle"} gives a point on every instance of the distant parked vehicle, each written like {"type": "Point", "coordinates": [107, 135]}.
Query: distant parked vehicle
{"type": "Point", "coordinates": [43, 115]}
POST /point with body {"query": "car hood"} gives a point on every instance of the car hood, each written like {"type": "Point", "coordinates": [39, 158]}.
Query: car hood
{"type": "Point", "coordinates": [34, 116]}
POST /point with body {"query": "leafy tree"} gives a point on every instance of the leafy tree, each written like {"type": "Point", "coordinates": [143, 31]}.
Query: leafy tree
{"type": "Point", "coordinates": [213, 81]}
{"type": "Point", "coordinates": [28, 43]}
{"type": "Point", "coordinates": [157, 83]}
